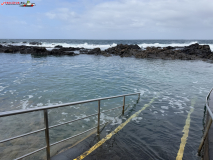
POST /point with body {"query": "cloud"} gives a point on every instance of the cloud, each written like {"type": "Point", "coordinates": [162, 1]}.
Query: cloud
{"type": "Point", "coordinates": [139, 13]}
{"type": "Point", "coordinates": [128, 18]}
{"type": "Point", "coordinates": [50, 15]}
{"type": "Point", "coordinates": [64, 14]}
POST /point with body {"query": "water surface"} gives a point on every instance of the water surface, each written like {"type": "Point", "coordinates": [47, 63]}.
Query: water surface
{"type": "Point", "coordinates": [29, 82]}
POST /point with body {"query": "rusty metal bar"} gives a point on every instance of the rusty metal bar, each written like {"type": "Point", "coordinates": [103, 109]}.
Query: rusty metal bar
{"type": "Point", "coordinates": [47, 138]}
{"type": "Point", "coordinates": [123, 105]}
{"type": "Point", "coordinates": [204, 136]}
{"type": "Point", "coordinates": [99, 106]}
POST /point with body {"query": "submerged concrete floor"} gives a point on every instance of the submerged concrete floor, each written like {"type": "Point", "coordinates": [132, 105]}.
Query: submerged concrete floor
{"type": "Point", "coordinates": [75, 151]}
{"type": "Point", "coordinates": [117, 145]}
{"type": "Point", "coordinates": [83, 146]}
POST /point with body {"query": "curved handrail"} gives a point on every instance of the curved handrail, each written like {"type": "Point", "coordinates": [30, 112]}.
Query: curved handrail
{"type": "Point", "coordinates": [208, 125]}
{"type": "Point", "coordinates": [209, 110]}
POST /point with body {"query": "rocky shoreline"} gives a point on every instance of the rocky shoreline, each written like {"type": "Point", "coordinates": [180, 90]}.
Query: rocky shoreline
{"type": "Point", "coordinates": [191, 52]}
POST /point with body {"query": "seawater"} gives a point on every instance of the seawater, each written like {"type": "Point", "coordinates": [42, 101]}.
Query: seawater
{"type": "Point", "coordinates": [30, 82]}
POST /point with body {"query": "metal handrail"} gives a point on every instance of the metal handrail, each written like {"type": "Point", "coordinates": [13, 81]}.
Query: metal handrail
{"type": "Point", "coordinates": [46, 129]}
{"type": "Point", "coordinates": [9, 113]}
{"type": "Point", "coordinates": [209, 110]}
{"type": "Point", "coordinates": [208, 124]}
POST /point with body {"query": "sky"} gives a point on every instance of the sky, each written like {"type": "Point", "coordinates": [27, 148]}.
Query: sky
{"type": "Point", "coordinates": [108, 19]}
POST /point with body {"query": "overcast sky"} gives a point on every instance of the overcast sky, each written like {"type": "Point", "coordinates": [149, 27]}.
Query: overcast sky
{"type": "Point", "coordinates": [108, 19]}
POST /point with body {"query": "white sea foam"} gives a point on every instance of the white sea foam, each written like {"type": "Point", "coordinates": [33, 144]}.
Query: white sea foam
{"type": "Point", "coordinates": [2, 88]}
{"type": "Point", "coordinates": [87, 119]}
{"type": "Point", "coordinates": [162, 111]}
{"type": "Point", "coordinates": [179, 112]}
{"type": "Point", "coordinates": [82, 116]}
{"type": "Point", "coordinates": [144, 45]}
{"type": "Point", "coordinates": [30, 96]}
{"type": "Point", "coordinates": [164, 107]}
{"type": "Point", "coordinates": [74, 107]}
{"type": "Point", "coordinates": [82, 45]}
{"type": "Point", "coordinates": [137, 119]}
{"type": "Point", "coordinates": [39, 104]}
{"type": "Point", "coordinates": [165, 98]}
{"type": "Point", "coordinates": [24, 104]}
{"type": "Point", "coordinates": [115, 120]}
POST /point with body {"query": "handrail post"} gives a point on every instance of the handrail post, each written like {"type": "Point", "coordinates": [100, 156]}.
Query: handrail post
{"type": "Point", "coordinates": [47, 133]}
{"type": "Point", "coordinates": [123, 105]}
{"type": "Point", "coordinates": [99, 105]}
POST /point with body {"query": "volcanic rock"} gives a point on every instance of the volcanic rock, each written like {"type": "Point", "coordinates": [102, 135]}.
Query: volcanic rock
{"type": "Point", "coordinates": [84, 51]}
{"type": "Point", "coordinates": [58, 46]}
{"type": "Point", "coordinates": [10, 49]}
{"type": "Point", "coordinates": [39, 49]}
{"type": "Point", "coordinates": [202, 51]}
{"type": "Point", "coordinates": [96, 51]}
{"type": "Point", "coordinates": [123, 50]}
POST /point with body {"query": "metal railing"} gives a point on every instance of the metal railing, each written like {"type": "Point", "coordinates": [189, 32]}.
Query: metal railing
{"type": "Point", "coordinates": [47, 127]}
{"type": "Point", "coordinates": [208, 124]}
